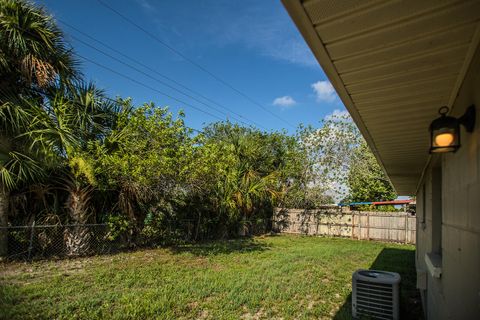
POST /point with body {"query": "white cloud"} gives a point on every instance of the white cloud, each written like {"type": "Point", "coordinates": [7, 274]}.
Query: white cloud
{"type": "Point", "coordinates": [285, 101]}
{"type": "Point", "coordinates": [261, 27]}
{"type": "Point", "coordinates": [339, 115]}
{"type": "Point", "coordinates": [324, 91]}
{"type": "Point", "coordinates": [146, 5]}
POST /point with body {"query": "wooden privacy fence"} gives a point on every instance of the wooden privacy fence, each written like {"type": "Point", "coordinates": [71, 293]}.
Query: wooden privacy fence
{"type": "Point", "coordinates": [332, 221]}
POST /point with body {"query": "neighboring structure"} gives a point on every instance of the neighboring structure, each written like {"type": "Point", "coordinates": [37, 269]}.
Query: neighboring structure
{"type": "Point", "coordinates": [394, 64]}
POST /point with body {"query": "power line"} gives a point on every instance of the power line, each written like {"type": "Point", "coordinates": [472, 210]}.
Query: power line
{"type": "Point", "coordinates": [155, 79]}
{"type": "Point", "coordinates": [155, 71]}
{"type": "Point", "coordinates": [217, 78]}
{"type": "Point", "coordinates": [146, 86]}
{"type": "Point", "coordinates": [158, 73]}
{"type": "Point", "coordinates": [103, 97]}
{"type": "Point", "coordinates": [131, 79]}
{"type": "Point", "coordinates": [116, 102]}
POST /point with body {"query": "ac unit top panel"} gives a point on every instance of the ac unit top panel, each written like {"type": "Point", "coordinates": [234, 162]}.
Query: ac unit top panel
{"type": "Point", "coordinates": [377, 276]}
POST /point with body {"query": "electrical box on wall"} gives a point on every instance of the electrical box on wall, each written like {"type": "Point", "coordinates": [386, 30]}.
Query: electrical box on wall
{"type": "Point", "coordinates": [421, 279]}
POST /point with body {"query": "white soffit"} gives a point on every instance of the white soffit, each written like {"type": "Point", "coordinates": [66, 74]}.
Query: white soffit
{"type": "Point", "coordinates": [393, 64]}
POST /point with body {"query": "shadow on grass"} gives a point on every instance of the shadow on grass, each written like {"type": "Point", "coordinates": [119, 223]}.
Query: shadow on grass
{"type": "Point", "coordinates": [403, 262]}
{"type": "Point", "coordinates": [11, 295]}
{"type": "Point", "coordinates": [242, 245]}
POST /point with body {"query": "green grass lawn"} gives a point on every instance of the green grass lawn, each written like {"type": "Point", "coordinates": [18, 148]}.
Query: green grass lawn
{"type": "Point", "coordinates": [281, 277]}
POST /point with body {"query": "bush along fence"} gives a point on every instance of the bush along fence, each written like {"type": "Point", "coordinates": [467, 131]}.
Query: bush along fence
{"type": "Point", "coordinates": [75, 240]}
{"type": "Point", "coordinates": [333, 221]}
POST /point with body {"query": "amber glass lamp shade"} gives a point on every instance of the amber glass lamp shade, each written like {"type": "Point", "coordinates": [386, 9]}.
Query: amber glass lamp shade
{"type": "Point", "coordinates": [444, 133]}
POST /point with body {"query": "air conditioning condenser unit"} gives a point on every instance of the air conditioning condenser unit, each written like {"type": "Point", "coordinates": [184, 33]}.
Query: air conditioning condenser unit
{"type": "Point", "coordinates": [375, 294]}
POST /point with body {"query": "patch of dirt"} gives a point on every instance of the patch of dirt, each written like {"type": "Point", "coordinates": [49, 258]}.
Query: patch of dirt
{"type": "Point", "coordinates": [192, 305]}
{"type": "Point", "coordinates": [260, 314]}
{"type": "Point", "coordinates": [203, 314]}
{"type": "Point", "coordinates": [23, 272]}
{"type": "Point", "coordinates": [310, 305]}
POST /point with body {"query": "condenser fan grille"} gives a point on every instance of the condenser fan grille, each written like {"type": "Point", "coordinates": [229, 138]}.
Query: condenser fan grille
{"type": "Point", "coordinates": [375, 299]}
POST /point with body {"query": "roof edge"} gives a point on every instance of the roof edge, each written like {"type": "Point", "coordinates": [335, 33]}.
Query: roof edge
{"type": "Point", "coordinates": [300, 17]}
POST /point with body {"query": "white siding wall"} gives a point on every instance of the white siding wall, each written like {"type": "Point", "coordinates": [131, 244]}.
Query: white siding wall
{"type": "Point", "coordinates": [456, 295]}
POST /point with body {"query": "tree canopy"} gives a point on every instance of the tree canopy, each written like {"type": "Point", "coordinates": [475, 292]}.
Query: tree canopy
{"type": "Point", "coordinates": [71, 154]}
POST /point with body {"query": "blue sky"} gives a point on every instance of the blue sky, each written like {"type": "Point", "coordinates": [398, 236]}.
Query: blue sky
{"type": "Point", "coordinates": [253, 45]}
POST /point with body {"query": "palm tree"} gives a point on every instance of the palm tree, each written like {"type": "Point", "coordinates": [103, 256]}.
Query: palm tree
{"type": "Point", "coordinates": [33, 58]}
{"type": "Point", "coordinates": [33, 52]}
{"type": "Point", "coordinates": [73, 117]}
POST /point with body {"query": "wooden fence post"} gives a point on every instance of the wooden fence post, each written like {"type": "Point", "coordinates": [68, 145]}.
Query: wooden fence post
{"type": "Point", "coordinates": [30, 246]}
{"type": "Point", "coordinates": [389, 223]}
{"type": "Point", "coordinates": [389, 229]}
{"type": "Point", "coordinates": [406, 227]}
{"type": "Point", "coordinates": [368, 225]}
{"type": "Point", "coordinates": [353, 224]}
{"type": "Point", "coordinates": [359, 226]}
{"type": "Point", "coordinates": [328, 224]}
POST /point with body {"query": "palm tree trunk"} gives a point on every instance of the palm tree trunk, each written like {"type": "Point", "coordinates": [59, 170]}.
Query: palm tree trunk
{"type": "Point", "coordinates": [4, 194]}
{"type": "Point", "coordinates": [77, 238]}
{"type": "Point", "coordinates": [243, 225]}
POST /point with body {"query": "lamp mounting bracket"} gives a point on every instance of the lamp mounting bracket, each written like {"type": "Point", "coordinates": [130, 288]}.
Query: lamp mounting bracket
{"type": "Point", "coordinates": [468, 118]}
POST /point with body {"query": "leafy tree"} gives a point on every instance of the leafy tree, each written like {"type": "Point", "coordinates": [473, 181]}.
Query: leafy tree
{"type": "Point", "coordinates": [321, 163]}
{"type": "Point", "coordinates": [249, 176]}
{"type": "Point", "coordinates": [146, 159]}
{"type": "Point", "coordinates": [337, 161]}
{"type": "Point", "coordinates": [140, 168]}
{"type": "Point", "coordinates": [303, 187]}
{"type": "Point", "coordinates": [366, 180]}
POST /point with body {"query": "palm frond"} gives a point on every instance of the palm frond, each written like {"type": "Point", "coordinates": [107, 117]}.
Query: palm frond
{"type": "Point", "coordinates": [17, 167]}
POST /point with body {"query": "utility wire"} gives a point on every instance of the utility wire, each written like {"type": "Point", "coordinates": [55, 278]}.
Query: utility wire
{"type": "Point", "coordinates": [155, 79]}
{"type": "Point", "coordinates": [131, 79]}
{"type": "Point", "coordinates": [115, 101]}
{"type": "Point", "coordinates": [146, 86]}
{"type": "Point", "coordinates": [153, 70]}
{"type": "Point", "coordinates": [217, 78]}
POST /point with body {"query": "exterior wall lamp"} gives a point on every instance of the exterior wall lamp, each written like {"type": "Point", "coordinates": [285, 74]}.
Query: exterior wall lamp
{"type": "Point", "coordinates": [445, 130]}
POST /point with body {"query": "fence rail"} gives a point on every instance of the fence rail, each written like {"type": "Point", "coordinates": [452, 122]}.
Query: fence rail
{"type": "Point", "coordinates": [331, 221]}
{"type": "Point", "coordinates": [73, 240]}
{"type": "Point", "coordinates": [42, 241]}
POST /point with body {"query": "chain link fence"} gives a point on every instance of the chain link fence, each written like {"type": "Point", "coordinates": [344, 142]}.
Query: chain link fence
{"type": "Point", "coordinates": [59, 241]}
{"type": "Point", "coordinates": [74, 240]}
